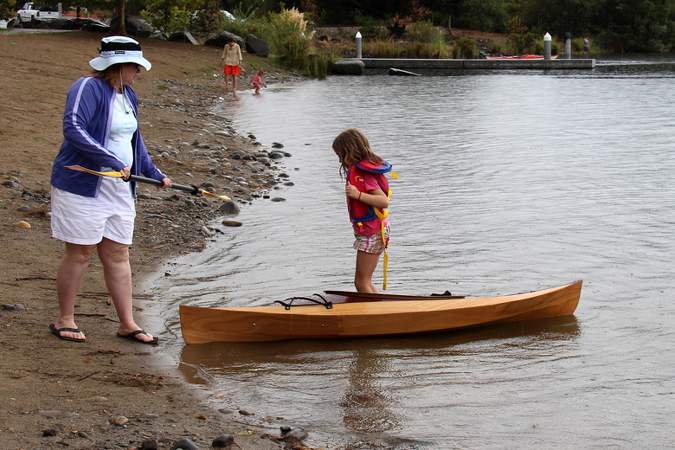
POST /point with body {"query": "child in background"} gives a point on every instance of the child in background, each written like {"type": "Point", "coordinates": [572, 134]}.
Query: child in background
{"type": "Point", "coordinates": [258, 81]}
{"type": "Point", "coordinates": [231, 59]}
{"type": "Point", "coordinates": [368, 194]}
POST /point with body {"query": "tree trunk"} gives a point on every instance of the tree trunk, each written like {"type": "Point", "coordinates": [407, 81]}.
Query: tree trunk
{"type": "Point", "coordinates": [121, 15]}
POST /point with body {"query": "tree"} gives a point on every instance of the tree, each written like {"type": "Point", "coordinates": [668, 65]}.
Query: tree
{"type": "Point", "coordinates": [485, 15]}
{"type": "Point", "coordinates": [7, 9]}
{"type": "Point", "coordinates": [169, 15]}
{"type": "Point", "coordinates": [121, 14]}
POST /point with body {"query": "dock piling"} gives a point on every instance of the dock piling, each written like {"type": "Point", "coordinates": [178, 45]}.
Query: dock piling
{"type": "Point", "coordinates": [359, 48]}
{"type": "Point", "coordinates": [547, 46]}
{"type": "Point", "coordinates": [568, 45]}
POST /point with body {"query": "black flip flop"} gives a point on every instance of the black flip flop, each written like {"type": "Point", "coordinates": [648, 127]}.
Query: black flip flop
{"type": "Point", "coordinates": [57, 332]}
{"type": "Point", "coordinates": [132, 337]}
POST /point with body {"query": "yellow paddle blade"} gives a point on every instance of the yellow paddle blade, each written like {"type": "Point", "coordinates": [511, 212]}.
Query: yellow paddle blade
{"type": "Point", "coordinates": [394, 175]}
{"type": "Point", "coordinates": [94, 172]}
{"type": "Point", "coordinates": [205, 193]}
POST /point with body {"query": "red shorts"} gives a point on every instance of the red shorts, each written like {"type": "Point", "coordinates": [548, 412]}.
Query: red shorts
{"type": "Point", "coordinates": [231, 70]}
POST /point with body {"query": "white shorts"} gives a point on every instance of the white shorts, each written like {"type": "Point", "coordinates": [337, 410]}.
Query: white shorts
{"type": "Point", "coordinates": [81, 220]}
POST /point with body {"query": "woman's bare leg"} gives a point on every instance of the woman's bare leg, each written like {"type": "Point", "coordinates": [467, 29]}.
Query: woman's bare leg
{"type": "Point", "coordinates": [365, 266]}
{"type": "Point", "coordinates": [117, 273]}
{"type": "Point", "coordinates": [72, 267]}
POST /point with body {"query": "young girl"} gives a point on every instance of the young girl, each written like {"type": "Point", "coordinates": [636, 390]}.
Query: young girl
{"type": "Point", "coordinates": [368, 195]}
{"type": "Point", "coordinates": [257, 81]}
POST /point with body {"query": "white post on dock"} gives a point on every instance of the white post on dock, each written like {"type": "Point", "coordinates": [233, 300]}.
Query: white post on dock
{"type": "Point", "coordinates": [359, 48]}
{"type": "Point", "coordinates": [547, 46]}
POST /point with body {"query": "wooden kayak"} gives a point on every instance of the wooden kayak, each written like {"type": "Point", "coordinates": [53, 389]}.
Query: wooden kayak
{"type": "Point", "coordinates": [370, 317]}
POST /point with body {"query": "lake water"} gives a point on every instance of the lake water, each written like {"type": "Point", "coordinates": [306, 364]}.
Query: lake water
{"type": "Point", "coordinates": [508, 182]}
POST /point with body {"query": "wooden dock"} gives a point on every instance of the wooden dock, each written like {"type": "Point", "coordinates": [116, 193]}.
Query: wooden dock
{"type": "Point", "coordinates": [355, 66]}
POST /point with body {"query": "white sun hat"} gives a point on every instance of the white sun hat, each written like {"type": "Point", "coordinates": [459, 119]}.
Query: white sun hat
{"type": "Point", "coordinates": [119, 50]}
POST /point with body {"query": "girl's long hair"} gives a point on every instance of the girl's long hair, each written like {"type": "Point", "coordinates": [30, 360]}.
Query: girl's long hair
{"type": "Point", "coordinates": [352, 146]}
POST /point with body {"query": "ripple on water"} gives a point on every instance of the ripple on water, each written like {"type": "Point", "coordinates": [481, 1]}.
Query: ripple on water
{"type": "Point", "coordinates": [508, 182]}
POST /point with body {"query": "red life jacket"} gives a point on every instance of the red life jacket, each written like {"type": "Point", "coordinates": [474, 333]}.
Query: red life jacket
{"type": "Point", "coordinates": [359, 211]}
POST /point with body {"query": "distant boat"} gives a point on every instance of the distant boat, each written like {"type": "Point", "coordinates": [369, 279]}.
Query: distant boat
{"type": "Point", "coordinates": [520, 57]}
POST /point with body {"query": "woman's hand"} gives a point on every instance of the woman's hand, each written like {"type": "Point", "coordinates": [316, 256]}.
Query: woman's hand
{"type": "Point", "coordinates": [351, 191]}
{"type": "Point", "coordinates": [166, 182]}
{"type": "Point", "coordinates": [126, 173]}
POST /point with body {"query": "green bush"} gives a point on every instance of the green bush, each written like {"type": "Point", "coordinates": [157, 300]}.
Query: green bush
{"type": "Point", "coordinates": [610, 41]}
{"type": "Point", "coordinates": [290, 41]}
{"type": "Point", "coordinates": [577, 45]}
{"type": "Point", "coordinates": [465, 48]}
{"type": "Point", "coordinates": [382, 48]}
{"type": "Point", "coordinates": [317, 63]}
{"type": "Point", "coordinates": [485, 15]}
{"type": "Point", "coordinates": [209, 19]}
{"type": "Point", "coordinates": [247, 20]}
{"type": "Point", "coordinates": [238, 27]}
{"type": "Point", "coordinates": [7, 9]}
{"type": "Point", "coordinates": [168, 16]}
{"type": "Point", "coordinates": [423, 32]}
{"type": "Point", "coordinates": [371, 28]}
{"type": "Point", "coordinates": [286, 37]}
{"type": "Point", "coordinates": [434, 50]}
{"type": "Point", "coordinates": [523, 43]}
{"type": "Point", "coordinates": [389, 48]}
{"type": "Point", "coordinates": [247, 10]}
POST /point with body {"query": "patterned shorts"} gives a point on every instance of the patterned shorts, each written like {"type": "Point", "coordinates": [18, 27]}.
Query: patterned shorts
{"type": "Point", "coordinates": [371, 244]}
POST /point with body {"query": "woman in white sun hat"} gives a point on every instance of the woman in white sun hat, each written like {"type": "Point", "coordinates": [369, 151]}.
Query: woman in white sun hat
{"type": "Point", "coordinates": [101, 132]}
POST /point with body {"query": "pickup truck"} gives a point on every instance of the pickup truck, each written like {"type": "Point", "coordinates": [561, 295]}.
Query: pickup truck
{"type": "Point", "coordinates": [30, 12]}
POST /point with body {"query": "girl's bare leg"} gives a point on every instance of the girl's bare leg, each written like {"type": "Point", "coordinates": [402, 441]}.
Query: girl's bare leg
{"type": "Point", "coordinates": [365, 266]}
{"type": "Point", "coordinates": [72, 267]}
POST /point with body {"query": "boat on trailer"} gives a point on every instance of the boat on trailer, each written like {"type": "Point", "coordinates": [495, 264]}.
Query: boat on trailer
{"type": "Point", "coordinates": [339, 315]}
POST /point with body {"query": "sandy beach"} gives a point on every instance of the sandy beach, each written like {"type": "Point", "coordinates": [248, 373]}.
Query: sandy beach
{"type": "Point", "coordinates": [109, 393]}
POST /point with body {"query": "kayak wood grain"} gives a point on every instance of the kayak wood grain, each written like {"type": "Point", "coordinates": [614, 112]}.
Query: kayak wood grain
{"type": "Point", "coordinates": [371, 318]}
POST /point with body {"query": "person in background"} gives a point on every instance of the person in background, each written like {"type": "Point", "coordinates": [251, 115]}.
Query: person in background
{"type": "Point", "coordinates": [368, 194]}
{"type": "Point", "coordinates": [101, 132]}
{"type": "Point", "coordinates": [231, 59]}
{"type": "Point", "coordinates": [257, 81]}
{"type": "Point", "coordinates": [587, 47]}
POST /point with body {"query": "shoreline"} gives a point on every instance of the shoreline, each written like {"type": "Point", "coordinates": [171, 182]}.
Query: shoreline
{"type": "Point", "coordinates": [107, 392]}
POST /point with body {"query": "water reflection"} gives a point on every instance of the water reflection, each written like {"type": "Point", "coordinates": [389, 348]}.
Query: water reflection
{"type": "Point", "coordinates": [233, 357]}
{"type": "Point", "coordinates": [366, 407]}
{"type": "Point", "coordinates": [365, 376]}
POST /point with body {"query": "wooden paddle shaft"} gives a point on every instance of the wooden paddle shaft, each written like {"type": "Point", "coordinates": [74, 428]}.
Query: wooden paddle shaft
{"type": "Point", "coordinates": [181, 187]}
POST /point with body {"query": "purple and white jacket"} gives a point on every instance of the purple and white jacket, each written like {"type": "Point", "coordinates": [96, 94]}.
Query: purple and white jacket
{"type": "Point", "coordinates": [86, 129]}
